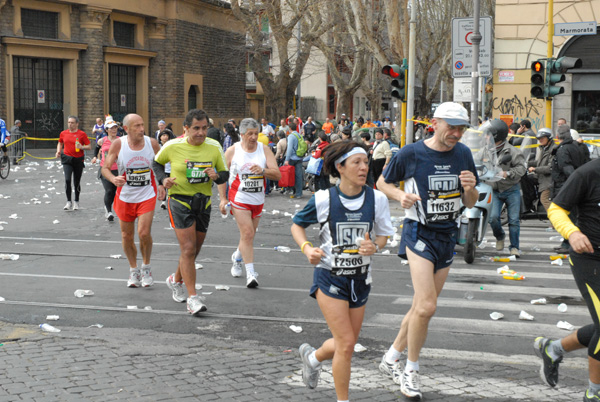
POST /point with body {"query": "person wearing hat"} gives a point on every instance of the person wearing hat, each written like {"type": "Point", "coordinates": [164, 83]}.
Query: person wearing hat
{"type": "Point", "coordinates": [567, 158]}
{"type": "Point", "coordinates": [110, 189]}
{"type": "Point", "coordinates": [508, 190]}
{"type": "Point", "coordinates": [438, 174]}
{"type": "Point", "coordinates": [585, 152]}
{"type": "Point", "coordinates": [542, 165]}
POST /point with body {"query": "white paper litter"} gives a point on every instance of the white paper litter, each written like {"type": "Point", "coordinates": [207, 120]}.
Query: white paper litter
{"type": "Point", "coordinates": [13, 216]}
{"type": "Point", "coordinates": [52, 318]}
{"type": "Point", "coordinates": [148, 308]}
{"type": "Point", "coordinates": [132, 307]}
{"type": "Point", "coordinates": [539, 301]}
{"type": "Point", "coordinates": [116, 256]}
{"type": "Point", "coordinates": [562, 307]}
{"type": "Point", "coordinates": [198, 286]}
{"type": "Point", "coordinates": [199, 266]}
{"type": "Point", "coordinates": [12, 257]}
{"type": "Point", "coordinates": [565, 325]}
{"type": "Point", "coordinates": [524, 315]}
{"type": "Point", "coordinates": [207, 293]}
{"type": "Point", "coordinates": [2, 299]}
{"type": "Point", "coordinates": [296, 328]}
{"type": "Point", "coordinates": [222, 287]}
{"type": "Point", "coordinates": [56, 221]}
{"type": "Point", "coordinates": [359, 348]}
{"type": "Point", "coordinates": [96, 326]}
{"type": "Point", "coordinates": [83, 292]}
{"type": "Point", "coordinates": [109, 268]}
{"type": "Point", "coordinates": [385, 252]}
{"type": "Point", "coordinates": [496, 316]}
{"type": "Point", "coordinates": [558, 262]}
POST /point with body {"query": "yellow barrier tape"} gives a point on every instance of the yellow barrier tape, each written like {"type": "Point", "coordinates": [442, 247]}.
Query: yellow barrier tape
{"type": "Point", "coordinates": [34, 157]}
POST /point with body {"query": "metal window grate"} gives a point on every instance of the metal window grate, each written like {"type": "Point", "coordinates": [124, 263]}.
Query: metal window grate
{"type": "Point", "coordinates": [122, 90]}
{"type": "Point", "coordinates": [39, 24]}
{"type": "Point", "coordinates": [124, 34]}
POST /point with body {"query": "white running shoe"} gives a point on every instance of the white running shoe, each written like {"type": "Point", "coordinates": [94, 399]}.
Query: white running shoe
{"type": "Point", "coordinates": [177, 288]}
{"type": "Point", "coordinates": [236, 269]}
{"type": "Point", "coordinates": [134, 279]}
{"type": "Point", "coordinates": [163, 205]}
{"type": "Point", "coordinates": [310, 375]}
{"type": "Point", "coordinates": [251, 281]}
{"type": "Point", "coordinates": [394, 371]}
{"type": "Point", "coordinates": [147, 279]}
{"type": "Point", "coordinates": [195, 305]}
{"type": "Point", "coordinates": [68, 205]}
{"type": "Point", "coordinates": [109, 216]}
{"type": "Point", "coordinates": [411, 385]}
{"type": "Point", "coordinates": [75, 205]}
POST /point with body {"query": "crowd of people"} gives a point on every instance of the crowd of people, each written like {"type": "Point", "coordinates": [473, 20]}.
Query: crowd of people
{"type": "Point", "coordinates": [351, 204]}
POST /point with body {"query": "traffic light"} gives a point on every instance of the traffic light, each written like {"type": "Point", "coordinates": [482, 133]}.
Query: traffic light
{"type": "Point", "coordinates": [555, 73]}
{"type": "Point", "coordinates": [399, 74]}
{"type": "Point", "coordinates": [537, 79]}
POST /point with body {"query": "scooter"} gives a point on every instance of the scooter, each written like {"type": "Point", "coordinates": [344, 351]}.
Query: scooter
{"type": "Point", "coordinates": [472, 222]}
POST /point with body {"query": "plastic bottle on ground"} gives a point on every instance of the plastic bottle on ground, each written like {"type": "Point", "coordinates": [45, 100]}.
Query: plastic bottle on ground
{"type": "Point", "coordinates": [282, 249]}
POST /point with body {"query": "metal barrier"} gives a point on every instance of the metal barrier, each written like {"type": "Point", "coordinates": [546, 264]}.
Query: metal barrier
{"type": "Point", "coordinates": [16, 149]}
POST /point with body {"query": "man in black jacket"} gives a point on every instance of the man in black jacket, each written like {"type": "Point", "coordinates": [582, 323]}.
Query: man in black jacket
{"type": "Point", "coordinates": [567, 158]}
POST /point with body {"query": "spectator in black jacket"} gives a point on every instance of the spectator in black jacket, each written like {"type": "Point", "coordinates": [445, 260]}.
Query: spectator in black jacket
{"type": "Point", "coordinates": [585, 152]}
{"type": "Point", "coordinates": [567, 158]}
{"type": "Point", "coordinates": [214, 132]}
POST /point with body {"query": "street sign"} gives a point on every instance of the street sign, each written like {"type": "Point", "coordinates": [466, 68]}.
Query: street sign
{"type": "Point", "coordinates": [575, 28]}
{"type": "Point", "coordinates": [462, 90]}
{"type": "Point", "coordinates": [462, 46]}
{"type": "Point", "coordinates": [41, 96]}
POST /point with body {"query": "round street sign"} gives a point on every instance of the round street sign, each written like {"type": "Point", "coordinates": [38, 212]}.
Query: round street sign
{"type": "Point", "coordinates": [458, 65]}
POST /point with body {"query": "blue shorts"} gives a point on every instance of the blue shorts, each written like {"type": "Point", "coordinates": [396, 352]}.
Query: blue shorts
{"type": "Point", "coordinates": [433, 246]}
{"type": "Point", "coordinates": [355, 291]}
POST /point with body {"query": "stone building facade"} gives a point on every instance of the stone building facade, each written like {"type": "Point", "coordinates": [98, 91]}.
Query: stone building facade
{"type": "Point", "coordinates": [521, 38]}
{"type": "Point", "coordinates": [90, 58]}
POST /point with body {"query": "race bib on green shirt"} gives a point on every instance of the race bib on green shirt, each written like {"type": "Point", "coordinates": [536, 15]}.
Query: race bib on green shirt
{"type": "Point", "coordinates": [195, 172]}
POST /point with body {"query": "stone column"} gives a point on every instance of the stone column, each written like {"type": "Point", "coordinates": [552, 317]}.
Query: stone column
{"type": "Point", "coordinates": [91, 88]}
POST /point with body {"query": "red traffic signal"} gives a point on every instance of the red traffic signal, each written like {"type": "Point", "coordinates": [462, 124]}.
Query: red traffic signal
{"type": "Point", "coordinates": [393, 70]}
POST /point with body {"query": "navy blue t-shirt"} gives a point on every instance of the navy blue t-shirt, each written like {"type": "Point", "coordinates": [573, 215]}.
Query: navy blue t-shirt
{"type": "Point", "coordinates": [433, 175]}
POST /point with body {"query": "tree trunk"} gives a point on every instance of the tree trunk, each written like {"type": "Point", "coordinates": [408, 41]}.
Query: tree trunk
{"type": "Point", "coordinates": [343, 103]}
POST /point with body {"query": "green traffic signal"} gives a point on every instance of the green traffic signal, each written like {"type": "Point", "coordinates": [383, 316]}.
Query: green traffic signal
{"type": "Point", "coordinates": [555, 73]}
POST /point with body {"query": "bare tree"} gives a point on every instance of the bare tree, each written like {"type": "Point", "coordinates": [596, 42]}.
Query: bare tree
{"type": "Point", "coordinates": [291, 35]}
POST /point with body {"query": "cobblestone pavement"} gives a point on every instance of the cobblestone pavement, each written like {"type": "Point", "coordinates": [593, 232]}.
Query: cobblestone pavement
{"type": "Point", "coordinates": [92, 364]}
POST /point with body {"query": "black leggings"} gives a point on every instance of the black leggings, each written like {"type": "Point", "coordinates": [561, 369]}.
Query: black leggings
{"type": "Point", "coordinates": [109, 191]}
{"type": "Point", "coordinates": [586, 271]}
{"type": "Point", "coordinates": [75, 170]}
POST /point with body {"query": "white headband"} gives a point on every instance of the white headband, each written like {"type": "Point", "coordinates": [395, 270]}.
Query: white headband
{"type": "Point", "coordinates": [353, 151]}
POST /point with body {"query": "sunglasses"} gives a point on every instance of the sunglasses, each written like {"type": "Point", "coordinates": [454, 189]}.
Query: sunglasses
{"type": "Point", "coordinates": [461, 129]}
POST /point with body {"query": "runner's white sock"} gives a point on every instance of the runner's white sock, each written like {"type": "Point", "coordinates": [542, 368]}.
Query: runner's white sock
{"type": "Point", "coordinates": [133, 269]}
{"type": "Point", "coordinates": [411, 366]}
{"type": "Point", "coordinates": [555, 349]}
{"type": "Point", "coordinates": [145, 266]}
{"type": "Point", "coordinates": [392, 355]}
{"type": "Point", "coordinates": [312, 360]}
{"type": "Point", "coordinates": [249, 268]}
{"type": "Point", "coordinates": [237, 255]}
{"type": "Point", "coordinates": [347, 400]}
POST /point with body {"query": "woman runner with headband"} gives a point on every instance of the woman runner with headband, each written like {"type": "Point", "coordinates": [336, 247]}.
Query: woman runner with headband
{"type": "Point", "coordinates": [350, 215]}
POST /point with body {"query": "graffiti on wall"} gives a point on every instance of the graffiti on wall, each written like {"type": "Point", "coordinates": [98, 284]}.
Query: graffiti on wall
{"type": "Point", "coordinates": [521, 108]}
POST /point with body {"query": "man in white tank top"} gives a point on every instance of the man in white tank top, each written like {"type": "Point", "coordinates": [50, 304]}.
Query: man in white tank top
{"type": "Point", "coordinates": [250, 163]}
{"type": "Point", "coordinates": [136, 194]}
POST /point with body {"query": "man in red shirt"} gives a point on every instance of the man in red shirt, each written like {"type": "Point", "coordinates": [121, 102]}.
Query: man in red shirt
{"type": "Point", "coordinates": [74, 142]}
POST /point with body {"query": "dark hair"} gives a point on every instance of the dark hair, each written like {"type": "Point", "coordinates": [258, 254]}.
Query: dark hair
{"type": "Point", "coordinates": [334, 151]}
{"type": "Point", "coordinates": [281, 134]}
{"type": "Point", "coordinates": [514, 127]}
{"type": "Point", "coordinates": [197, 114]}
{"type": "Point", "coordinates": [167, 132]}
{"type": "Point", "coordinates": [230, 130]}
{"type": "Point", "coordinates": [366, 136]}
{"type": "Point", "coordinates": [525, 123]}
{"type": "Point", "coordinates": [323, 136]}
{"type": "Point", "coordinates": [378, 130]}
{"type": "Point", "coordinates": [293, 126]}
{"type": "Point", "coordinates": [387, 131]}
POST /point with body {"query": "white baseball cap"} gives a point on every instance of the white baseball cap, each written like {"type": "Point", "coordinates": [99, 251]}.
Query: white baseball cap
{"type": "Point", "coordinates": [453, 114]}
{"type": "Point", "coordinates": [109, 122]}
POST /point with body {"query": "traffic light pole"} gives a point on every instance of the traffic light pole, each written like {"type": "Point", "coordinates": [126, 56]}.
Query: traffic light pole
{"type": "Point", "coordinates": [476, 38]}
{"type": "Point", "coordinates": [550, 53]}
{"type": "Point", "coordinates": [410, 96]}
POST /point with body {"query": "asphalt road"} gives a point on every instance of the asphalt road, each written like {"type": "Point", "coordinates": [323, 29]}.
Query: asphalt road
{"type": "Point", "coordinates": [62, 251]}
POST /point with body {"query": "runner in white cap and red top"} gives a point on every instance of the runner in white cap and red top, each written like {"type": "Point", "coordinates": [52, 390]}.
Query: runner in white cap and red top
{"type": "Point", "coordinates": [250, 163]}
{"type": "Point", "coordinates": [438, 174]}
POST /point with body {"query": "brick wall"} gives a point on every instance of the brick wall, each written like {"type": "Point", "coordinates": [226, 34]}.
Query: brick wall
{"type": "Point", "coordinates": [216, 54]}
